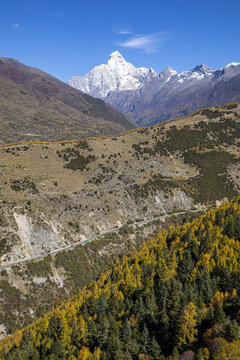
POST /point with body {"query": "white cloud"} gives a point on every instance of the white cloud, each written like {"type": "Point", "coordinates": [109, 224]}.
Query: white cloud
{"type": "Point", "coordinates": [147, 43]}
{"type": "Point", "coordinates": [15, 26]}
{"type": "Point", "coordinates": [124, 32]}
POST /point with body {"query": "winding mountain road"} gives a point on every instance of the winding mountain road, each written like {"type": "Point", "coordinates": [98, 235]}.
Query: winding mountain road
{"type": "Point", "coordinates": [83, 242]}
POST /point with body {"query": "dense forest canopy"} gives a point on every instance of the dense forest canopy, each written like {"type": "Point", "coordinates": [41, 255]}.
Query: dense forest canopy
{"type": "Point", "coordinates": [179, 292]}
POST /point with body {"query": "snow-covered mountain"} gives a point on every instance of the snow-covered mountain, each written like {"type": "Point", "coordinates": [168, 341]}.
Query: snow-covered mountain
{"type": "Point", "coordinates": [116, 75]}
{"type": "Point", "coordinates": [148, 98]}
{"type": "Point", "coordinates": [198, 73]}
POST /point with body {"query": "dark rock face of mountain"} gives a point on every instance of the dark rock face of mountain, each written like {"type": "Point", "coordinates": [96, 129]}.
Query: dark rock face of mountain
{"type": "Point", "coordinates": [36, 106]}
{"type": "Point", "coordinates": [157, 101]}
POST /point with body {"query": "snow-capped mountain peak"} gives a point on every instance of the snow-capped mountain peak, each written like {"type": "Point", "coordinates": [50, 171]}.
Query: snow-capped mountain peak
{"type": "Point", "coordinates": [116, 57]}
{"type": "Point", "coordinates": [233, 64]}
{"type": "Point", "coordinates": [167, 74]}
{"type": "Point", "coordinates": [198, 73]}
{"type": "Point", "coordinates": [229, 70]}
{"type": "Point", "coordinates": [169, 71]}
{"type": "Point", "coordinates": [116, 75]}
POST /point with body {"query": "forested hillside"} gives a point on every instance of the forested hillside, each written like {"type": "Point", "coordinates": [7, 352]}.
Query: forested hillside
{"type": "Point", "coordinates": [179, 292]}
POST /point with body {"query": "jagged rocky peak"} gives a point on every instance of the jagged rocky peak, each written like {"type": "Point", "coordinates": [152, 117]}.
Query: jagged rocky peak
{"type": "Point", "coordinates": [166, 75]}
{"type": "Point", "coordinates": [199, 72]}
{"type": "Point", "coordinates": [116, 75]}
{"type": "Point", "coordinates": [116, 57]}
{"type": "Point", "coordinates": [203, 69]}
{"type": "Point", "coordinates": [117, 61]}
{"type": "Point", "coordinates": [169, 71]}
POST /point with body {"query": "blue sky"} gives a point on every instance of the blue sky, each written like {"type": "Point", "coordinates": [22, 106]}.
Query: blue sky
{"type": "Point", "coordinates": [67, 38]}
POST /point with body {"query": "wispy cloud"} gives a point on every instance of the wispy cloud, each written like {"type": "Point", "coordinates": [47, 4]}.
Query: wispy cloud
{"type": "Point", "coordinates": [147, 43]}
{"type": "Point", "coordinates": [124, 32]}
{"type": "Point", "coordinates": [15, 26]}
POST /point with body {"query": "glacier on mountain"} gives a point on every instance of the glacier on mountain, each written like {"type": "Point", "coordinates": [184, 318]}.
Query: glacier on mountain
{"type": "Point", "coordinates": [116, 75]}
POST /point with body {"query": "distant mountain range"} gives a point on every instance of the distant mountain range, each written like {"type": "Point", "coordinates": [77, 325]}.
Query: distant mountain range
{"type": "Point", "coordinates": [36, 106]}
{"type": "Point", "coordinates": [149, 98]}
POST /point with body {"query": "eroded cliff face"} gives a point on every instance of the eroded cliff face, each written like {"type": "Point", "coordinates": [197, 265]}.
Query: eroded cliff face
{"type": "Point", "coordinates": [35, 233]}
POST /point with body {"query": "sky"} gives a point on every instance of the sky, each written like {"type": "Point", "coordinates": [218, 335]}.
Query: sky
{"type": "Point", "coordinates": [67, 38]}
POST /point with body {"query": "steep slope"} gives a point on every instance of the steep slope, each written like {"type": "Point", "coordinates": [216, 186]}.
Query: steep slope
{"type": "Point", "coordinates": [156, 98]}
{"type": "Point", "coordinates": [56, 195]}
{"type": "Point", "coordinates": [36, 106]}
{"type": "Point", "coordinates": [179, 293]}
{"type": "Point", "coordinates": [27, 69]}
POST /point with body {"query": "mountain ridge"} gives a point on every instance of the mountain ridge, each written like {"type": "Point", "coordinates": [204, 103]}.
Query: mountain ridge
{"type": "Point", "coordinates": [33, 99]}
{"type": "Point", "coordinates": [159, 97]}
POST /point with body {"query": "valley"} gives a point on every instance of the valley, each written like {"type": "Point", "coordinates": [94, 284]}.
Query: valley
{"type": "Point", "coordinates": [120, 180]}
{"type": "Point", "coordinates": [59, 195]}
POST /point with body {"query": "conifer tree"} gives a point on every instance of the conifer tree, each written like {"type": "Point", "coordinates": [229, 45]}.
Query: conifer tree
{"type": "Point", "coordinates": [232, 331]}
{"type": "Point", "coordinates": [145, 340]}
{"type": "Point", "coordinates": [187, 331]}
{"type": "Point", "coordinates": [126, 331]}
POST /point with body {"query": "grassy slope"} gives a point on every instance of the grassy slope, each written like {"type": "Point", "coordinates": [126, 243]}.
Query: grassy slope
{"type": "Point", "coordinates": [91, 186]}
{"type": "Point", "coordinates": [50, 108]}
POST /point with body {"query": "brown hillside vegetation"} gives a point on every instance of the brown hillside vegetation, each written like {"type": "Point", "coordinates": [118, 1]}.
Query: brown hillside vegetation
{"type": "Point", "coordinates": [54, 195]}
{"type": "Point", "coordinates": [36, 106]}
